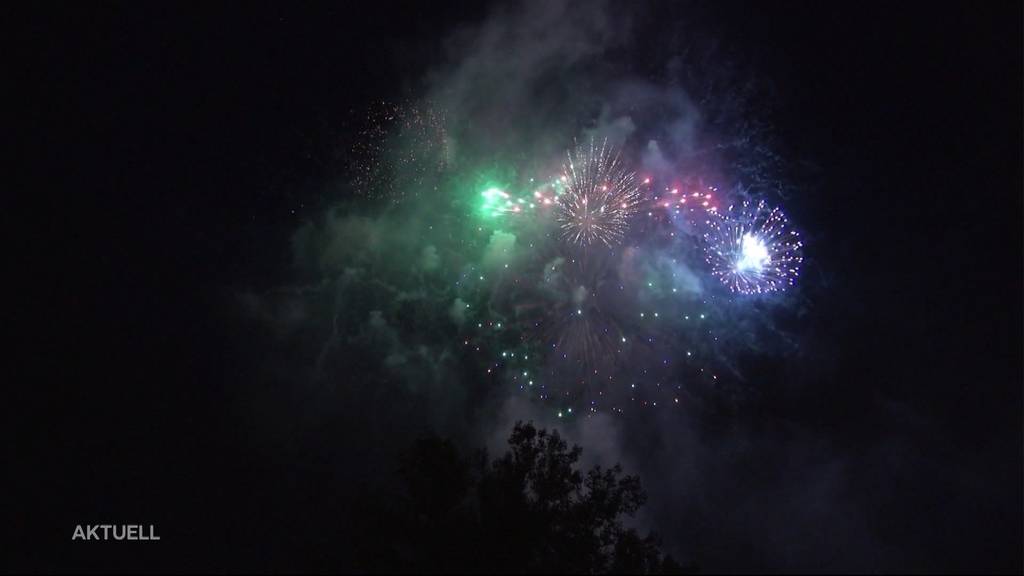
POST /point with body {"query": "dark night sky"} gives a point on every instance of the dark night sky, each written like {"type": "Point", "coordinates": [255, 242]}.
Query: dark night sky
{"type": "Point", "coordinates": [174, 151]}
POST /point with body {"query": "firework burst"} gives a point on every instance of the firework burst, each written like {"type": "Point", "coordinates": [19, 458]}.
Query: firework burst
{"type": "Point", "coordinates": [752, 249]}
{"type": "Point", "coordinates": [600, 196]}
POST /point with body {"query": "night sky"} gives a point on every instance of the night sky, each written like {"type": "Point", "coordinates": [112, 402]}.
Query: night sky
{"type": "Point", "coordinates": [244, 290]}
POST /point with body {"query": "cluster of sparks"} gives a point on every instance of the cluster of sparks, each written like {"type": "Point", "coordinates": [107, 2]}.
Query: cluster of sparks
{"type": "Point", "coordinates": [399, 149]}
{"type": "Point", "coordinates": [752, 249]}
{"type": "Point", "coordinates": [585, 357]}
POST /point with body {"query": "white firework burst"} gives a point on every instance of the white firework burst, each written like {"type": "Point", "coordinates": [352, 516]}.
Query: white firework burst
{"type": "Point", "coordinates": [752, 249]}
{"type": "Point", "coordinates": [600, 196]}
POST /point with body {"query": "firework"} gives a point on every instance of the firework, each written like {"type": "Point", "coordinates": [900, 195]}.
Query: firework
{"type": "Point", "coordinates": [600, 196]}
{"type": "Point", "coordinates": [752, 250]}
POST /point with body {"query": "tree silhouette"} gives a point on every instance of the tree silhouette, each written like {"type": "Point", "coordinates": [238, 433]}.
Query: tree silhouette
{"type": "Point", "coordinates": [530, 510]}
